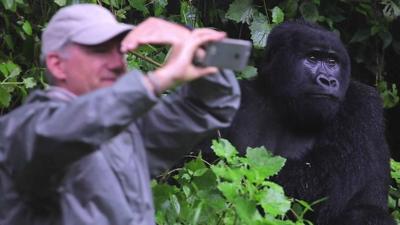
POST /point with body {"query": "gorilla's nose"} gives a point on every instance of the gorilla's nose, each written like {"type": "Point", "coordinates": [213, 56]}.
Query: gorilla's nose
{"type": "Point", "coordinates": [326, 82]}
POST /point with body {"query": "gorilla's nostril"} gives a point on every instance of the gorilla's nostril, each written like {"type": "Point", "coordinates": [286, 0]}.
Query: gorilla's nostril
{"type": "Point", "coordinates": [323, 80]}
{"type": "Point", "coordinates": [327, 82]}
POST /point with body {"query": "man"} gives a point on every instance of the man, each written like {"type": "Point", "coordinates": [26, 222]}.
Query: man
{"type": "Point", "coordinates": [82, 151]}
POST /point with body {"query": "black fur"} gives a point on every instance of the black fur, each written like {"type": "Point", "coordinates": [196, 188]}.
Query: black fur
{"type": "Point", "coordinates": [335, 147]}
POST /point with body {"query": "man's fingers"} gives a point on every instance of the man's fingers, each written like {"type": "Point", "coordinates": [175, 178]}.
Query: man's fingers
{"type": "Point", "coordinates": [198, 72]}
{"type": "Point", "coordinates": [200, 54]}
{"type": "Point", "coordinates": [203, 35]}
{"type": "Point", "coordinates": [126, 47]}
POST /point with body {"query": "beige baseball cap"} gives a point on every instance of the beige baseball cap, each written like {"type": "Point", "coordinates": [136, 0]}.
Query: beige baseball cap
{"type": "Point", "coordinates": [87, 24]}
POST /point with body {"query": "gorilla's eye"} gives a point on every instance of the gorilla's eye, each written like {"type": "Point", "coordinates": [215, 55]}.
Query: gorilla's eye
{"type": "Point", "coordinates": [331, 62]}
{"type": "Point", "coordinates": [312, 58]}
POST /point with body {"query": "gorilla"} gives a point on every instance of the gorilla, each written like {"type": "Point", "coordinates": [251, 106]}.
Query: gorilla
{"type": "Point", "coordinates": [304, 107]}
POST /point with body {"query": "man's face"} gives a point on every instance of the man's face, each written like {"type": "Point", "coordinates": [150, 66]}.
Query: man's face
{"type": "Point", "coordinates": [88, 68]}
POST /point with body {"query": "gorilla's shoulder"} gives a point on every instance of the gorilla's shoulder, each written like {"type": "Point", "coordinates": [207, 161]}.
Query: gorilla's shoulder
{"type": "Point", "coordinates": [364, 97]}
{"type": "Point", "coordinates": [362, 92]}
{"type": "Point", "coordinates": [251, 93]}
{"type": "Point", "coordinates": [363, 107]}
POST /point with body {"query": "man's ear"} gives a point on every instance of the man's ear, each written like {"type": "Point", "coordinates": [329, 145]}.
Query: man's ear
{"type": "Point", "coordinates": [56, 65]}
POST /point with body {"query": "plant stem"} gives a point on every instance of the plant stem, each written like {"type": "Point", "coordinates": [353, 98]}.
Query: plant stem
{"type": "Point", "coordinates": [266, 10]}
{"type": "Point", "coordinates": [147, 59]}
{"type": "Point", "coordinates": [11, 83]}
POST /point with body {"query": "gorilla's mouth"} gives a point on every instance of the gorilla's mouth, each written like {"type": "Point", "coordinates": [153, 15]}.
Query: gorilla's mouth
{"type": "Point", "coordinates": [322, 96]}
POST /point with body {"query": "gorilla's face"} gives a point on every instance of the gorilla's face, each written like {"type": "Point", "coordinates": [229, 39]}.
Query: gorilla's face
{"type": "Point", "coordinates": [308, 77]}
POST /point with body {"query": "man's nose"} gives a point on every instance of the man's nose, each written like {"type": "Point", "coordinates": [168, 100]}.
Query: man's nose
{"type": "Point", "coordinates": [116, 59]}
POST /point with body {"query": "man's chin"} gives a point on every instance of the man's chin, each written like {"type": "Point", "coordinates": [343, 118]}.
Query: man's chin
{"type": "Point", "coordinates": [107, 82]}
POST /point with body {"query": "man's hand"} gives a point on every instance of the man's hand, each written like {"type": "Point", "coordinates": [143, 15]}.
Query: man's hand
{"type": "Point", "coordinates": [154, 31]}
{"type": "Point", "coordinates": [185, 44]}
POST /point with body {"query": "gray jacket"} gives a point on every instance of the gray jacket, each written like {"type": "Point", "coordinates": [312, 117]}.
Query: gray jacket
{"type": "Point", "coordinates": [87, 160]}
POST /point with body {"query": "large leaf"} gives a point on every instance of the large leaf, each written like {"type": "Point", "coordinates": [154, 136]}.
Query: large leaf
{"type": "Point", "coordinates": [246, 209]}
{"type": "Point", "coordinates": [277, 15]}
{"type": "Point", "coordinates": [9, 4]}
{"type": "Point", "coordinates": [27, 27]}
{"type": "Point", "coordinates": [5, 97]}
{"type": "Point", "coordinates": [391, 10]}
{"type": "Point", "coordinates": [309, 11]}
{"type": "Point", "coordinates": [229, 190]}
{"type": "Point", "coordinates": [289, 7]}
{"type": "Point", "coordinates": [224, 149]}
{"type": "Point", "coordinates": [386, 38]}
{"type": "Point", "coordinates": [159, 7]}
{"type": "Point", "coordinates": [274, 201]}
{"type": "Point", "coordinates": [248, 72]}
{"type": "Point", "coordinates": [9, 41]}
{"type": "Point", "coordinates": [3, 69]}
{"type": "Point", "coordinates": [361, 35]}
{"type": "Point", "coordinates": [228, 173]}
{"type": "Point", "coordinates": [29, 82]}
{"type": "Point", "coordinates": [60, 2]}
{"type": "Point", "coordinates": [263, 163]}
{"type": "Point", "coordinates": [240, 11]}
{"type": "Point", "coordinates": [260, 29]}
{"type": "Point", "coordinates": [139, 5]}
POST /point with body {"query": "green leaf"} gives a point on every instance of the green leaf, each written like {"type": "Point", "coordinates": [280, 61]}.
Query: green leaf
{"type": "Point", "coordinates": [229, 190]}
{"type": "Point", "coordinates": [4, 70]}
{"type": "Point", "coordinates": [389, 96]}
{"type": "Point", "coordinates": [228, 173]}
{"type": "Point", "coordinates": [224, 149]}
{"type": "Point", "coordinates": [395, 170]}
{"type": "Point", "coordinates": [139, 5]}
{"type": "Point", "coordinates": [260, 28]}
{"type": "Point", "coordinates": [361, 35]}
{"type": "Point", "coordinates": [9, 41]}
{"type": "Point", "coordinates": [246, 209]}
{"type": "Point", "coordinates": [365, 9]}
{"type": "Point", "coordinates": [175, 204]}
{"type": "Point", "coordinates": [162, 193]}
{"type": "Point", "coordinates": [248, 72]}
{"type": "Point", "coordinates": [5, 97]}
{"type": "Point", "coordinates": [159, 7]}
{"type": "Point", "coordinates": [290, 7]}
{"type": "Point", "coordinates": [215, 201]}
{"type": "Point", "coordinates": [27, 28]}
{"type": "Point", "coordinates": [274, 201]}
{"type": "Point", "coordinates": [277, 15]}
{"type": "Point", "coordinates": [263, 163]}
{"type": "Point", "coordinates": [309, 11]}
{"type": "Point", "coordinates": [197, 213]}
{"type": "Point", "coordinates": [15, 71]}
{"type": "Point", "coordinates": [29, 82]}
{"type": "Point", "coordinates": [240, 11]}
{"type": "Point", "coordinates": [9, 4]}
{"type": "Point", "coordinates": [375, 29]}
{"type": "Point", "coordinates": [206, 181]}
{"type": "Point", "coordinates": [60, 2]}
{"type": "Point", "coordinates": [196, 164]}
{"type": "Point", "coordinates": [317, 2]}
{"type": "Point", "coordinates": [391, 10]}
{"type": "Point", "coordinates": [386, 37]}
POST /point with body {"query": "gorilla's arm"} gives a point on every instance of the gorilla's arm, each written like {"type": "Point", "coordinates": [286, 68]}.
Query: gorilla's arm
{"type": "Point", "coordinates": [365, 120]}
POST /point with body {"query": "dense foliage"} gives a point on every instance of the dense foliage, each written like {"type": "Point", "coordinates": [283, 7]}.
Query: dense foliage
{"type": "Point", "coordinates": [235, 190]}
{"type": "Point", "coordinates": [364, 25]}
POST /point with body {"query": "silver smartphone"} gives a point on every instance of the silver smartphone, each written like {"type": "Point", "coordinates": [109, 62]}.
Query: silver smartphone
{"type": "Point", "coordinates": [227, 54]}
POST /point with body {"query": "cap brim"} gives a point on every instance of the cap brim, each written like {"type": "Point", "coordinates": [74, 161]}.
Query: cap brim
{"type": "Point", "coordinates": [100, 33]}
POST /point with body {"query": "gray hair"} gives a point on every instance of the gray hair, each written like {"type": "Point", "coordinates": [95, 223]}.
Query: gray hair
{"type": "Point", "coordinates": [63, 53]}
